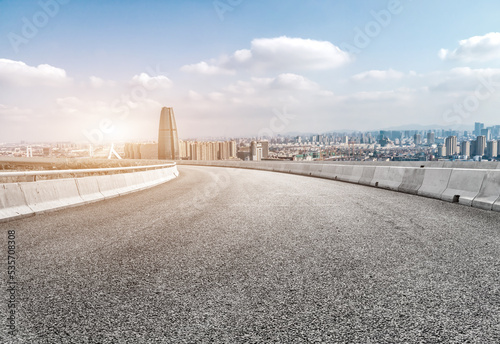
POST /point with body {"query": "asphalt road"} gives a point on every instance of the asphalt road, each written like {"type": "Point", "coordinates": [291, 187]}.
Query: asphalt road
{"type": "Point", "coordinates": [240, 256]}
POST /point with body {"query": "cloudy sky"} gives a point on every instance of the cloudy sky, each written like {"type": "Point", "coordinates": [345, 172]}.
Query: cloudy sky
{"type": "Point", "coordinates": [101, 70]}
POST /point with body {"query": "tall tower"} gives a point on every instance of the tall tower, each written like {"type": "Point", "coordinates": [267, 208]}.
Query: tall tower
{"type": "Point", "coordinates": [168, 140]}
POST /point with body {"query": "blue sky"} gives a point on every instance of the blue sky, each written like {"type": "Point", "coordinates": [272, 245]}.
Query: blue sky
{"type": "Point", "coordinates": [102, 70]}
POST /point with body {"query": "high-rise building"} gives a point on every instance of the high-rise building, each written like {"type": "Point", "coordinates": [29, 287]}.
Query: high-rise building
{"type": "Point", "coordinates": [451, 145]}
{"type": "Point", "coordinates": [255, 151]}
{"type": "Point", "coordinates": [265, 149]}
{"type": "Point", "coordinates": [465, 148]}
{"type": "Point", "coordinates": [441, 150]}
{"type": "Point", "coordinates": [480, 145]}
{"type": "Point", "coordinates": [431, 138]}
{"type": "Point", "coordinates": [417, 139]}
{"type": "Point", "coordinates": [477, 128]}
{"type": "Point", "coordinates": [232, 149]}
{"type": "Point", "coordinates": [492, 149]}
{"type": "Point", "coordinates": [168, 140]}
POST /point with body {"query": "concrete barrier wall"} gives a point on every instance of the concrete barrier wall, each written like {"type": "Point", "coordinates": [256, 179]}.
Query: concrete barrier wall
{"type": "Point", "coordinates": [489, 193]}
{"type": "Point", "coordinates": [12, 201]}
{"type": "Point", "coordinates": [472, 187]}
{"type": "Point", "coordinates": [435, 182]}
{"type": "Point", "coordinates": [88, 188]}
{"type": "Point", "coordinates": [367, 175]}
{"type": "Point", "coordinates": [24, 199]}
{"type": "Point", "coordinates": [412, 180]}
{"type": "Point", "coordinates": [463, 186]}
{"type": "Point", "coordinates": [46, 195]}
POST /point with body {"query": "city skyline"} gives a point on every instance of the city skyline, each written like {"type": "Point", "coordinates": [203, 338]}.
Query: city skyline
{"type": "Point", "coordinates": [101, 72]}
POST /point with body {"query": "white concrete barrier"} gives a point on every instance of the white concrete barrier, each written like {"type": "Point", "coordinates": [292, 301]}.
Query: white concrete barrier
{"type": "Point", "coordinates": [344, 173]}
{"type": "Point", "coordinates": [150, 178]}
{"type": "Point", "coordinates": [317, 170]}
{"type": "Point", "coordinates": [88, 188]}
{"type": "Point", "coordinates": [330, 171]}
{"type": "Point", "coordinates": [351, 174]}
{"type": "Point", "coordinates": [112, 185]}
{"type": "Point", "coordinates": [463, 186]}
{"type": "Point", "coordinates": [412, 180]}
{"type": "Point", "coordinates": [135, 181]}
{"type": "Point", "coordinates": [388, 177]}
{"type": "Point", "coordinates": [435, 182]}
{"type": "Point", "coordinates": [489, 193]}
{"type": "Point", "coordinates": [168, 174]}
{"type": "Point", "coordinates": [302, 169]}
{"type": "Point", "coordinates": [367, 175]}
{"type": "Point", "coordinates": [12, 201]}
{"type": "Point", "coordinates": [496, 205]}
{"type": "Point", "coordinates": [50, 195]}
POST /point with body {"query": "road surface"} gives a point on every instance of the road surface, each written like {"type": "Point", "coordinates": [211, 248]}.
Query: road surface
{"type": "Point", "coordinates": [242, 256]}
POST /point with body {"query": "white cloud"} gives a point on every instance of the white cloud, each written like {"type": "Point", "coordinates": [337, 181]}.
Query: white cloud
{"type": "Point", "coordinates": [286, 82]}
{"type": "Point", "coordinates": [280, 53]}
{"type": "Point", "coordinates": [19, 73]}
{"type": "Point", "coordinates": [397, 95]}
{"type": "Point", "coordinates": [293, 82]}
{"type": "Point", "coordinates": [379, 75]}
{"type": "Point", "coordinates": [477, 48]}
{"type": "Point", "coordinates": [151, 82]}
{"type": "Point", "coordinates": [99, 82]}
{"type": "Point", "coordinates": [69, 104]}
{"type": "Point", "coordinates": [205, 68]}
{"type": "Point", "coordinates": [464, 79]}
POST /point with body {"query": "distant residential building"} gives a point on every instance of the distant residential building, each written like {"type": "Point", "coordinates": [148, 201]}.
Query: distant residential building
{"type": "Point", "coordinates": [451, 145]}
{"type": "Point", "coordinates": [431, 138]}
{"type": "Point", "coordinates": [256, 151]}
{"type": "Point", "coordinates": [480, 145]}
{"type": "Point", "coordinates": [441, 150]}
{"type": "Point", "coordinates": [465, 148]}
{"type": "Point", "coordinates": [492, 149]}
{"type": "Point", "coordinates": [207, 150]}
{"type": "Point", "coordinates": [232, 149]}
{"type": "Point", "coordinates": [265, 148]}
{"type": "Point", "coordinates": [417, 139]}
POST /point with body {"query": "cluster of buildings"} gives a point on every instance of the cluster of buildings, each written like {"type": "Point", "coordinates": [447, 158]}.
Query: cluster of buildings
{"type": "Point", "coordinates": [170, 147]}
{"type": "Point", "coordinates": [482, 143]}
{"type": "Point", "coordinates": [46, 149]}
{"type": "Point", "coordinates": [212, 150]}
{"type": "Point", "coordinates": [477, 149]}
